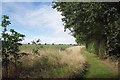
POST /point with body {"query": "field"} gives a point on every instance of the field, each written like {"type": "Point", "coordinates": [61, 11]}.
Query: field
{"type": "Point", "coordinates": [52, 61]}
{"type": "Point", "coordinates": [30, 47]}
{"type": "Point", "coordinates": [62, 61]}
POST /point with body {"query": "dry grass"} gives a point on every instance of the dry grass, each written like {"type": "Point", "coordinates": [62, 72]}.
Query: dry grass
{"type": "Point", "coordinates": [54, 63]}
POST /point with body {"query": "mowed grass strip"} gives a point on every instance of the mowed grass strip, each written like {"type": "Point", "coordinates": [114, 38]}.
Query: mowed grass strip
{"type": "Point", "coordinates": [96, 69]}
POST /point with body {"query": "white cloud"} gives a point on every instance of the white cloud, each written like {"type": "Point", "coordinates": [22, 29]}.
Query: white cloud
{"type": "Point", "coordinates": [50, 40]}
{"type": "Point", "coordinates": [40, 17]}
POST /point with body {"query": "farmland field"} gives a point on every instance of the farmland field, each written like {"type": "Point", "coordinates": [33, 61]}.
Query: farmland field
{"type": "Point", "coordinates": [52, 62]}
{"type": "Point", "coordinates": [30, 47]}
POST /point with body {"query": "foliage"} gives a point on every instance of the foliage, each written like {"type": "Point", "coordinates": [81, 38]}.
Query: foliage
{"type": "Point", "coordinates": [35, 50]}
{"type": "Point", "coordinates": [35, 42]}
{"type": "Point", "coordinates": [96, 23]}
{"type": "Point", "coordinates": [10, 44]}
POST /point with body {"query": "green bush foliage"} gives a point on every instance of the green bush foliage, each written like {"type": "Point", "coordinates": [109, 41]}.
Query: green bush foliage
{"type": "Point", "coordinates": [10, 46]}
{"type": "Point", "coordinates": [93, 23]}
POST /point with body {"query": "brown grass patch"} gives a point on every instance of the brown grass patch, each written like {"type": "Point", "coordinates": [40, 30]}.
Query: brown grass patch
{"type": "Point", "coordinates": [54, 63]}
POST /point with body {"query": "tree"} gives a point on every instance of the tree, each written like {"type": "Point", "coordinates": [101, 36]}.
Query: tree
{"type": "Point", "coordinates": [45, 43]}
{"type": "Point", "coordinates": [96, 23]}
{"type": "Point", "coordinates": [10, 46]}
{"type": "Point", "coordinates": [52, 43]}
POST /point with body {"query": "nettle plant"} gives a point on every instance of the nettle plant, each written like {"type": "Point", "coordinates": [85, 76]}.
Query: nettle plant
{"type": "Point", "coordinates": [10, 45]}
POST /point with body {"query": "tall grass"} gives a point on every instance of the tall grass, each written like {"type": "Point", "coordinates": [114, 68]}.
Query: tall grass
{"type": "Point", "coordinates": [53, 63]}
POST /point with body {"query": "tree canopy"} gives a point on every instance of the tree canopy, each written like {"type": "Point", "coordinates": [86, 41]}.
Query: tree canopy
{"type": "Point", "coordinates": [97, 23]}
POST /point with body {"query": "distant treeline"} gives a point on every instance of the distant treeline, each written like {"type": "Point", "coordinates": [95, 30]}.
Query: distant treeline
{"type": "Point", "coordinates": [55, 44]}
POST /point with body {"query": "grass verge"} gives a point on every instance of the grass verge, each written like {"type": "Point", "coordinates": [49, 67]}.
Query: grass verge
{"type": "Point", "coordinates": [96, 69]}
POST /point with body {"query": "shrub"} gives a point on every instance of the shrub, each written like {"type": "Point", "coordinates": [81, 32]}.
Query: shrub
{"type": "Point", "coordinates": [10, 46]}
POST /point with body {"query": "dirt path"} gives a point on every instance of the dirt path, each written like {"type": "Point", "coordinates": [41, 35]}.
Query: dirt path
{"type": "Point", "coordinates": [75, 49]}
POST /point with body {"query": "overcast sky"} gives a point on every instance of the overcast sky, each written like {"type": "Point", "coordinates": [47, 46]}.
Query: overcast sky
{"type": "Point", "coordinates": [37, 20]}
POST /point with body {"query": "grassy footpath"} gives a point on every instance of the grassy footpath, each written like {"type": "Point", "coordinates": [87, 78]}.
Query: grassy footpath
{"type": "Point", "coordinates": [96, 69]}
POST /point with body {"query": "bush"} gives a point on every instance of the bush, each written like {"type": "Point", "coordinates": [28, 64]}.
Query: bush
{"type": "Point", "coordinates": [10, 47]}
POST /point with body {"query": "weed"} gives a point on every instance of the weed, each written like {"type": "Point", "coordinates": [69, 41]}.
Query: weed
{"type": "Point", "coordinates": [53, 63]}
{"type": "Point", "coordinates": [35, 51]}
